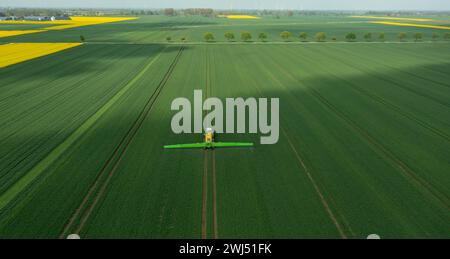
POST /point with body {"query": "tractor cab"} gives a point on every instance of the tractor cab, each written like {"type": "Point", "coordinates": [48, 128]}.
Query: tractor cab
{"type": "Point", "coordinates": [209, 135]}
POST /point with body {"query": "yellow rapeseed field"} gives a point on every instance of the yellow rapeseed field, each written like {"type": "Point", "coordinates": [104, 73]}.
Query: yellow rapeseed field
{"type": "Point", "coordinates": [85, 21]}
{"type": "Point", "coordinates": [414, 25]}
{"type": "Point", "coordinates": [32, 22]}
{"type": "Point", "coordinates": [14, 53]}
{"type": "Point", "coordinates": [61, 25]}
{"type": "Point", "coordinates": [15, 33]}
{"type": "Point", "coordinates": [393, 18]}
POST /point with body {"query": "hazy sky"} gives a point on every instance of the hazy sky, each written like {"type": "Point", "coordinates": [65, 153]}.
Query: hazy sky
{"type": "Point", "coordinates": [241, 4]}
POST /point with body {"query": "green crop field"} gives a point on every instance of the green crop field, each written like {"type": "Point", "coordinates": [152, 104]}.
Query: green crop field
{"type": "Point", "coordinates": [364, 141]}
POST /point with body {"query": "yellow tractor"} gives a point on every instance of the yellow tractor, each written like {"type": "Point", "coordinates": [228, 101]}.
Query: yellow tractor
{"type": "Point", "coordinates": [209, 135]}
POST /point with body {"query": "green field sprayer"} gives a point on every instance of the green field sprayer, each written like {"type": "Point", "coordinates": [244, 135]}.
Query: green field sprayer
{"type": "Point", "coordinates": [208, 143]}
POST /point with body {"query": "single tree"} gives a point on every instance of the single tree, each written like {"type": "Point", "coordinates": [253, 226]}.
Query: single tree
{"type": "Point", "coordinates": [368, 36]}
{"type": "Point", "coordinates": [417, 36]}
{"type": "Point", "coordinates": [183, 39]}
{"type": "Point", "coordinates": [82, 39]}
{"type": "Point", "coordinates": [246, 36]}
{"type": "Point", "coordinates": [447, 36]}
{"type": "Point", "coordinates": [168, 38]}
{"type": "Point", "coordinates": [435, 36]}
{"type": "Point", "coordinates": [262, 36]}
{"type": "Point", "coordinates": [350, 36]}
{"type": "Point", "coordinates": [334, 39]}
{"type": "Point", "coordinates": [285, 35]}
{"type": "Point", "coordinates": [303, 36]}
{"type": "Point", "coordinates": [402, 36]}
{"type": "Point", "coordinates": [229, 36]}
{"type": "Point", "coordinates": [208, 36]}
{"type": "Point", "coordinates": [169, 11]}
{"type": "Point", "coordinates": [381, 36]}
{"type": "Point", "coordinates": [321, 36]}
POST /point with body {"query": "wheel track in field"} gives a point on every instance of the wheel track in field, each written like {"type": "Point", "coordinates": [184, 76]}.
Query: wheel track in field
{"type": "Point", "coordinates": [50, 67]}
{"type": "Point", "coordinates": [393, 82]}
{"type": "Point", "coordinates": [402, 112]}
{"type": "Point", "coordinates": [204, 233]}
{"type": "Point", "coordinates": [32, 175]}
{"type": "Point", "coordinates": [322, 197]}
{"type": "Point", "coordinates": [205, 164]}
{"type": "Point", "coordinates": [309, 173]}
{"type": "Point", "coordinates": [440, 84]}
{"type": "Point", "coordinates": [407, 172]}
{"type": "Point", "coordinates": [213, 164]}
{"type": "Point", "coordinates": [301, 161]}
{"type": "Point", "coordinates": [315, 186]}
{"type": "Point", "coordinates": [95, 192]}
{"type": "Point", "coordinates": [204, 195]}
{"type": "Point", "coordinates": [427, 58]}
{"type": "Point", "coordinates": [387, 64]}
{"type": "Point", "coordinates": [13, 164]}
{"type": "Point", "coordinates": [37, 72]}
{"type": "Point", "coordinates": [386, 103]}
{"type": "Point", "coordinates": [73, 87]}
{"type": "Point", "coordinates": [124, 144]}
{"type": "Point", "coordinates": [214, 188]}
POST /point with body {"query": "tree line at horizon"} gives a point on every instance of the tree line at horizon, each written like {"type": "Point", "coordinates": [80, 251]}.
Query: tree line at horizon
{"type": "Point", "coordinates": [319, 37]}
{"type": "Point", "coordinates": [207, 12]}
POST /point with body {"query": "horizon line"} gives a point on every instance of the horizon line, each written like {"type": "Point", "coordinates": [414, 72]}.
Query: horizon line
{"type": "Point", "coordinates": [227, 9]}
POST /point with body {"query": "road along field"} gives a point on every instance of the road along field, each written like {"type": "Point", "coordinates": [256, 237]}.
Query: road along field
{"type": "Point", "coordinates": [364, 141]}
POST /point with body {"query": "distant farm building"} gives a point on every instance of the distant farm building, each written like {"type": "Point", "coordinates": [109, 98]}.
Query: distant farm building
{"type": "Point", "coordinates": [39, 18]}
{"type": "Point", "coordinates": [46, 18]}
{"type": "Point", "coordinates": [62, 18]}
{"type": "Point", "coordinates": [8, 18]}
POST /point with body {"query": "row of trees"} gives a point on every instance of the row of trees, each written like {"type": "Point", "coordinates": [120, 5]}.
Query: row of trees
{"type": "Point", "coordinates": [92, 12]}
{"type": "Point", "coordinates": [290, 13]}
{"type": "Point", "coordinates": [320, 36]}
{"type": "Point", "coordinates": [210, 12]}
{"type": "Point", "coordinates": [245, 36]}
{"type": "Point", "coordinates": [418, 36]}
{"type": "Point", "coordinates": [21, 12]}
